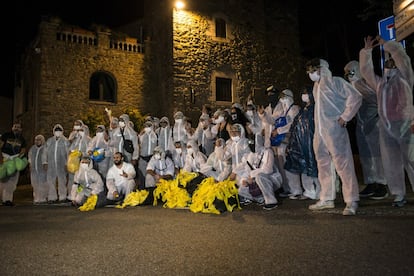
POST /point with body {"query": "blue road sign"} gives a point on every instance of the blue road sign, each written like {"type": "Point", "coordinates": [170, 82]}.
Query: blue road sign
{"type": "Point", "coordinates": [386, 29]}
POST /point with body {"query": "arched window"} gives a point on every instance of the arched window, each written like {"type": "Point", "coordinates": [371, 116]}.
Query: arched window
{"type": "Point", "coordinates": [102, 87]}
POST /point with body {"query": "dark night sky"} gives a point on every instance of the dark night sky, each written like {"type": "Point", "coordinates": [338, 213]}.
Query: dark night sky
{"type": "Point", "coordinates": [323, 24]}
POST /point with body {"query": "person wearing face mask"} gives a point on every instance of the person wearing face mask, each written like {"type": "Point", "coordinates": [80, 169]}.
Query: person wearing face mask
{"type": "Point", "coordinates": [237, 115]}
{"type": "Point", "coordinates": [87, 182]}
{"type": "Point", "coordinates": [165, 140]}
{"type": "Point", "coordinates": [120, 179]}
{"type": "Point", "coordinates": [336, 103]}
{"type": "Point", "coordinates": [394, 91]}
{"type": "Point", "coordinates": [216, 166]}
{"type": "Point", "coordinates": [287, 109]}
{"type": "Point", "coordinates": [79, 142]}
{"type": "Point", "coordinates": [54, 159]}
{"type": "Point", "coordinates": [13, 145]}
{"type": "Point", "coordinates": [254, 128]}
{"type": "Point", "coordinates": [99, 144]}
{"type": "Point", "coordinates": [221, 126]}
{"type": "Point", "coordinates": [269, 113]}
{"type": "Point", "coordinates": [179, 128]}
{"type": "Point", "coordinates": [194, 160]}
{"type": "Point", "coordinates": [147, 143]}
{"type": "Point", "coordinates": [300, 166]}
{"type": "Point", "coordinates": [178, 156]}
{"type": "Point", "coordinates": [159, 167]}
{"type": "Point", "coordinates": [367, 135]}
{"type": "Point", "coordinates": [202, 136]}
{"type": "Point", "coordinates": [37, 171]}
{"type": "Point", "coordinates": [123, 133]}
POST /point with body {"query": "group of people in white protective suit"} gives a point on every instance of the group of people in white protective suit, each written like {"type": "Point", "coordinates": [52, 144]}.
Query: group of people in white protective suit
{"type": "Point", "coordinates": [301, 157]}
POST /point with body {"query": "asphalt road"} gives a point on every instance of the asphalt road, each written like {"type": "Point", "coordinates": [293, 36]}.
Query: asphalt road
{"type": "Point", "coordinates": [148, 240]}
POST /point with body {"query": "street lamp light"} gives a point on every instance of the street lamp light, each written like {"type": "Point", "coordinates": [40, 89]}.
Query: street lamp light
{"type": "Point", "coordinates": [179, 5]}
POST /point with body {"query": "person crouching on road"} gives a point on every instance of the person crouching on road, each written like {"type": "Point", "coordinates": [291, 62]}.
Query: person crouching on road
{"type": "Point", "coordinates": [120, 178]}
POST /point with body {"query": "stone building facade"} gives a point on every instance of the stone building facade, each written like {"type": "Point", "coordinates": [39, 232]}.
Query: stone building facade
{"type": "Point", "coordinates": [212, 52]}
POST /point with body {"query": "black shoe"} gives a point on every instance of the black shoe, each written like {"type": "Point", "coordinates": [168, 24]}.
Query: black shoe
{"type": "Point", "coordinates": [269, 207]}
{"type": "Point", "coordinates": [8, 203]}
{"type": "Point", "coordinates": [380, 192]}
{"type": "Point", "coordinates": [368, 191]}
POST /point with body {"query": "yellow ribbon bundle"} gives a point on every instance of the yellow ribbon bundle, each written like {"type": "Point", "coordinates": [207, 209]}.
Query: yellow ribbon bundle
{"type": "Point", "coordinates": [171, 194]}
{"type": "Point", "coordinates": [208, 191]}
{"type": "Point", "coordinates": [90, 203]}
{"type": "Point", "coordinates": [184, 177]}
{"type": "Point", "coordinates": [134, 199]}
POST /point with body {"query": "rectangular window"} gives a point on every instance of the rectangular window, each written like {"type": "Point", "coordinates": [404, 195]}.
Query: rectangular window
{"type": "Point", "coordinates": [221, 28]}
{"type": "Point", "coordinates": [223, 89]}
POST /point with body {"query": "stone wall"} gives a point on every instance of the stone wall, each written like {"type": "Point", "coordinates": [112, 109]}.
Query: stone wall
{"type": "Point", "coordinates": [57, 74]}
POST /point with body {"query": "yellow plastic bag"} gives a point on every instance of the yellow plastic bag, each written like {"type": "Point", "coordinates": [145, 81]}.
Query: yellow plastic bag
{"type": "Point", "coordinates": [74, 161]}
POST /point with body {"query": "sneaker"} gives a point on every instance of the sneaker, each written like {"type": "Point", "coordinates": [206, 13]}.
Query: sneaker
{"type": "Point", "coordinates": [269, 207]}
{"type": "Point", "coordinates": [380, 192]}
{"type": "Point", "coordinates": [284, 194]}
{"type": "Point", "coordinates": [350, 209]}
{"type": "Point", "coordinates": [294, 197]}
{"type": "Point", "coordinates": [368, 191]}
{"type": "Point", "coordinates": [321, 205]}
{"type": "Point", "coordinates": [399, 201]}
{"type": "Point", "coordinates": [245, 201]}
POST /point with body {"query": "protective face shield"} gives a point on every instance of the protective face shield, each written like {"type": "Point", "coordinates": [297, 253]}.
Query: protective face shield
{"type": "Point", "coordinates": [305, 98]}
{"type": "Point", "coordinates": [314, 76]}
{"type": "Point", "coordinates": [121, 124]}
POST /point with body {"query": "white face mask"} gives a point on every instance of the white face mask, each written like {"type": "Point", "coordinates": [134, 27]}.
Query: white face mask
{"type": "Point", "coordinates": [122, 124]}
{"type": "Point", "coordinates": [305, 98]}
{"type": "Point", "coordinates": [249, 113]}
{"type": "Point", "coordinates": [81, 133]}
{"type": "Point", "coordinates": [314, 76]}
{"type": "Point", "coordinates": [99, 134]}
{"type": "Point", "coordinates": [190, 151]}
{"type": "Point", "coordinates": [353, 78]}
{"type": "Point", "coordinates": [77, 127]}
{"type": "Point", "coordinates": [147, 129]}
{"type": "Point", "coordinates": [220, 119]}
{"type": "Point", "coordinates": [178, 121]}
{"type": "Point", "coordinates": [235, 138]}
{"type": "Point", "coordinates": [84, 166]}
{"type": "Point", "coordinates": [157, 156]}
{"type": "Point", "coordinates": [178, 150]}
{"type": "Point", "coordinates": [58, 133]}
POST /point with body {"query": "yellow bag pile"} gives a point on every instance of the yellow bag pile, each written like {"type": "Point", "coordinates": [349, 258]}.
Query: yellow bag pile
{"type": "Point", "coordinates": [90, 203]}
{"type": "Point", "coordinates": [74, 161]}
{"type": "Point", "coordinates": [171, 194]}
{"type": "Point", "coordinates": [134, 199]}
{"type": "Point", "coordinates": [208, 191]}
